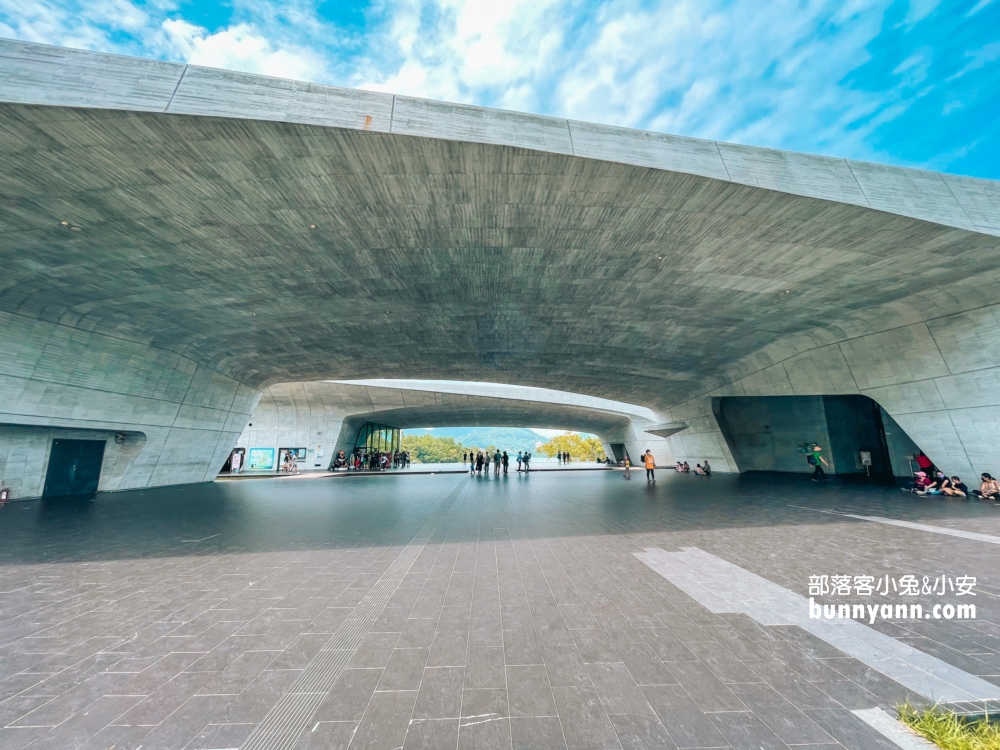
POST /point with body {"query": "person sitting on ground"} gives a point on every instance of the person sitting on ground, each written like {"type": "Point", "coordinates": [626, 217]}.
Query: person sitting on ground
{"type": "Point", "coordinates": [706, 468]}
{"type": "Point", "coordinates": [679, 466]}
{"type": "Point", "coordinates": [687, 467]}
{"type": "Point", "coordinates": [698, 469]}
{"type": "Point", "coordinates": [920, 482]}
{"type": "Point", "coordinates": [989, 489]}
{"type": "Point", "coordinates": [938, 484]}
{"type": "Point", "coordinates": [957, 488]}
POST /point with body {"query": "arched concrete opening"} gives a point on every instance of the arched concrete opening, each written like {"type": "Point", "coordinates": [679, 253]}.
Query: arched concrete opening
{"type": "Point", "coordinates": [325, 416]}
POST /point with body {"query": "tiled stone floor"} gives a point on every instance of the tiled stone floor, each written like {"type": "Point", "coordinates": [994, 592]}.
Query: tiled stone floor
{"type": "Point", "coordinates": [177, 618]}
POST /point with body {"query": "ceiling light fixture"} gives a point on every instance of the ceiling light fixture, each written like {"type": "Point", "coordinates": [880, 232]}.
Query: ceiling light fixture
{"type": "Point", "coordinates": [312, 226]}
{"type": "Point", "coordinates": [76, 229]}
{"type": "Point", "coordinates": [659, 258]}
{"type": "Point", "coordinates": [64, 223]}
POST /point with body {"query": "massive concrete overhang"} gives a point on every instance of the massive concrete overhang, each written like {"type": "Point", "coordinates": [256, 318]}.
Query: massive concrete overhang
{"type": "Point", "coordinates": [450, 241]}
{"type": "Point", "coordinates": [176, 238]}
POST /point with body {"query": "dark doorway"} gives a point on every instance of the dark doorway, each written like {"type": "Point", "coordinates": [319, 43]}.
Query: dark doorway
{"type": "Point", "coordinates": [857, 434]}
{"type": "Point", "coordinates": [775, 433]}
{"type": "Point", "coordinates": [74, 467]}
{"type": "Point", "coordinates": [620, 451]}
{"type": "Point", "coordinates": [228, 466]}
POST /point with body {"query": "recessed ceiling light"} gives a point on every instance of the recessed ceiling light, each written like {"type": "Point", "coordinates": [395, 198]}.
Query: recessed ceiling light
{"type": "Point", "coordinates": [64, 223]}
{"type": "Point", "coordinates": [312, 226]}
{"type": "Point", "coordinates": [659, 258]}
{"type": "Point", "coordinates": [75, 229]}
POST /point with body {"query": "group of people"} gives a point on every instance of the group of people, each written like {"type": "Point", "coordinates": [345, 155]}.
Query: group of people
{"type": "Point", "coordinates": [563, 457]}
{"type": "Point", "coordinates": [683, 467]}
{"type": "Point", "coordinates": [479, 461]}
{"type": "Point", "coordinates": [372, 460]}
{"type": "Point", "coordinates": [290, 465]}
{"type": "Point", "coordinates": [938, 483]}
{"type": "Point", "coordinates": [650, 465]}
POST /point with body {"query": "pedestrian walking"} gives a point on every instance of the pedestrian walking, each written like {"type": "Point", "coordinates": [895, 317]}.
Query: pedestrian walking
{"type": "Point", "coordinates": [817, 460]}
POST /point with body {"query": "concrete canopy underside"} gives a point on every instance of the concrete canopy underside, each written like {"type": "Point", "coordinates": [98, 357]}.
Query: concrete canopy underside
{"type": "Point", "coordinates": [452, 242]}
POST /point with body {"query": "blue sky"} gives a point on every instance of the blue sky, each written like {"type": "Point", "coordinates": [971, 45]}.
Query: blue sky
{"type": "Point", "coordinates": [910, 82]}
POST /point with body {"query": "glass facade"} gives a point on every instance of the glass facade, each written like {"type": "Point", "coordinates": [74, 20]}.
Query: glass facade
{"type": "Point", "coordinates": [377, 438]}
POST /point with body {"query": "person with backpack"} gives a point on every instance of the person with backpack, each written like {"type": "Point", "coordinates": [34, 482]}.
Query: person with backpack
{"type": "Point", "coordinates": [505, 461]}
{"type": "Point", "coordinates": [647, 459]}
{"type": "Point", "coordinates": [815, 459]}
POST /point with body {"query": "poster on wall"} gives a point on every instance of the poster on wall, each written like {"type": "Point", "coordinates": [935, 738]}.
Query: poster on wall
{"type": "Point", "coordinates": [261, 458]}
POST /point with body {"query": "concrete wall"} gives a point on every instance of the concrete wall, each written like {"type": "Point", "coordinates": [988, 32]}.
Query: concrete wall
{"type": "Point", "coordinates": [296, 415]}
{"type": "Point", "coordinates": [900, 446]}
{"type": "Point", "coordinates": [939, 380]}
{"type": "Point", "coordinates": [763, 433]}
{"type": "Point", "coordinates": [180, 418]}
{"type": "Point", "coordinates": [24, 456]}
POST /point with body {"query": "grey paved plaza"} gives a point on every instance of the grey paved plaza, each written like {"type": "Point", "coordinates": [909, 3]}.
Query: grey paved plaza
{"type": "Point", "coordinates": [452, 611]}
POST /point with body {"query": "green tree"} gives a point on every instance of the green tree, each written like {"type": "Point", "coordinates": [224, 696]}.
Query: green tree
{"type": "Point", "coordinates": [427, 449]}
{"type": "Point", "coordinates": [579, 448]}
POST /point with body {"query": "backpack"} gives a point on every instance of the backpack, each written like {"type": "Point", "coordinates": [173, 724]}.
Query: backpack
{"type": "Point", "coordinates": [811, 459]}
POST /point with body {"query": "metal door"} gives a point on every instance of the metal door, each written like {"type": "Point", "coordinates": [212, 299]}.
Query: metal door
{"type": "Point", "coordinates": [74, 467]}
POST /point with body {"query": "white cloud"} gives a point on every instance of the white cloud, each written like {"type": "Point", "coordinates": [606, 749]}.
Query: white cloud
{"type": "Point", "coordinates": [978, 7]}
{"type": "Point", "coordinates": [979, 58]}
{"type": "Point", "coordinates": [240, 47]}
{"type": "Point", "coordinates": [467, 51]}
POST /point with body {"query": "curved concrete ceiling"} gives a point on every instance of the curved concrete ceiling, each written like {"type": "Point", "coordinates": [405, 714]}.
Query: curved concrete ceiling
{"type": "Point", "coordinates": [276, 231]}
{"type": "Point", "coordinates": [507, 392]}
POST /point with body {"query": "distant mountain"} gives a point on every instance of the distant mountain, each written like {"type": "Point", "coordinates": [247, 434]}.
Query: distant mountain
{"type": "Point", "coordinates": [510, 439]}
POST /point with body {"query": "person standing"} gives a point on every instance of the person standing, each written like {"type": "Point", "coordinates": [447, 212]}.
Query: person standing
{"type": "Point", "coordinates": [465, 458]}
{"type": "Point", "coordinates": [647, 459]}
{"type": "Point", "coordinates": [479, 462]}
{"type": "Point", "coordinates": [505, 460]}
{"type": "Point", "coordinates": [924, 464]}
{"type": "Point", "coordinates": [527, 461]}
{"type": "Point", "coordinates": [496, 463]}
{"type": "Point", "coordinates": [520, 459]}
{"type": "Point", "coordinates": [817, 460]}
{"type": "Point", "coordinates": [472, 463]}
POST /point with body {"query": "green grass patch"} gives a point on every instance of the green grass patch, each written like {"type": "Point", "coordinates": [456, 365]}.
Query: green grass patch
{"type": "Point", "coordinates": [950, 731]}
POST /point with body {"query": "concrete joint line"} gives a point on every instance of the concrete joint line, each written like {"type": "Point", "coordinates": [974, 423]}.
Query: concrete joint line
{"type": "Point", "coordinates": [723, 587]}
{"type": "Point", "coordinates": [281, 728]}
{"type": "Point", "coordinates": [893, 729]}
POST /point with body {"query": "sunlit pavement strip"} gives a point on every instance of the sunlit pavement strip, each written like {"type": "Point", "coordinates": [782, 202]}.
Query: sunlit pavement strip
{"type": "Point", "coordinates": [726, 588]}
{"type": "Point", "coordinates": [911, 525]}
{"type": "Point", "coordinates": [893, 729]}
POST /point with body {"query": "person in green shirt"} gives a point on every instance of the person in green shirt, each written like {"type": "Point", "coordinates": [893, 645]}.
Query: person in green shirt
{"type": "Point", "coordinates": [817, 460]}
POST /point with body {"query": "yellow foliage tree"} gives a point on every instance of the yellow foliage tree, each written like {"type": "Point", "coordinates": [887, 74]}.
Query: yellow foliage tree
{"type": "Point", "coordinates": [579, 448]}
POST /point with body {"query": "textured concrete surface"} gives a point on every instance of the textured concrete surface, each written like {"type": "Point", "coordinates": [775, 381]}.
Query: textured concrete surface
{"type": "Point", "coordinates": [452, 242]}
{"type": "Point", "coordinates": [179, 618]}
